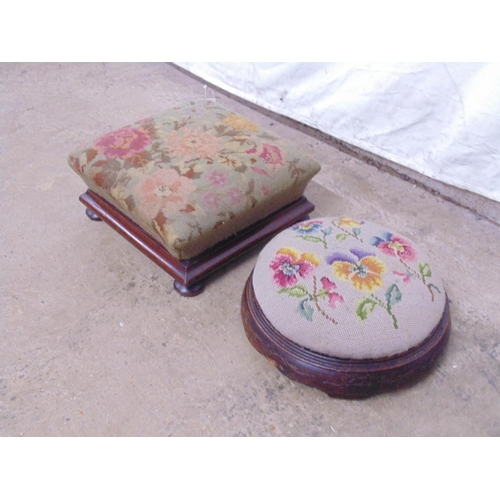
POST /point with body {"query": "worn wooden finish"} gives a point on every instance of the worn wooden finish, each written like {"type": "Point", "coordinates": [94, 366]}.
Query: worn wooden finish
{"type": "Point", "coordinates": [190, 274]}
{"type": "Point", "coordinates": [343, 378]}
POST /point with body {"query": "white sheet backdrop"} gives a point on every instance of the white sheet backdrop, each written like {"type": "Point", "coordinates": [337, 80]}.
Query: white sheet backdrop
{"type": "Point", "coordinates": [440, 119]}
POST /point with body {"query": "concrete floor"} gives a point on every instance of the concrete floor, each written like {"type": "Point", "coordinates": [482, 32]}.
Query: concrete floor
{"type": "Point", "coordinates": [95, 342]}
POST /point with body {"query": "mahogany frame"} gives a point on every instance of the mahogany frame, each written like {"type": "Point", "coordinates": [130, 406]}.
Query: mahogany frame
{"type": "Point", "coordinates": [337, 377]}
{"type": "Point", "coordinates": [190, 274]}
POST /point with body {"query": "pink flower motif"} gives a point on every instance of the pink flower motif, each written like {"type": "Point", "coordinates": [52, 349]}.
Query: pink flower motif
{"type": "Point", "coordinates": [395, 246]}
{"type": "Point", "coordinates": [289, 265]}
{"type": "Point", "coordinates": [193, 143]}
{"type": "Point", "coordinates": [333, 297]}
{"type": "Point", "coordinates": [236, 195]}
{"type": "Point", "coordinates": [406, 277]}
{"type": "Point", "coordinates": [212, 200]}
{"type": "Point", "coordinates": [217, 177]}
{"type": "Point", "coordinates": [164, 190]}
{"type": "Point", "coordinates": [123, 143]}
{"type": "Point", "coordinates": [270, 153]}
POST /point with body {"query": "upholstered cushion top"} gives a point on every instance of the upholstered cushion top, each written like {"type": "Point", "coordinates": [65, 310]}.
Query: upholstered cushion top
{"type": "Point", "coordinates": [348, 288]}
{"type": "Point", "coordinates": [194, 175]}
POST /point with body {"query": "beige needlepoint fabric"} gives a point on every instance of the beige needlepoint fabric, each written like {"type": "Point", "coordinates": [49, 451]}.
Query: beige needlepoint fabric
{"type": "Point", "coordinates": [194, 175]}
{"type": "Point", "coordinates": [348, 288]}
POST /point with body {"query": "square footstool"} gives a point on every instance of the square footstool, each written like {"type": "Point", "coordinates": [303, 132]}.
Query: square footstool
{"type": "Point", "coordinates": [194, 187]}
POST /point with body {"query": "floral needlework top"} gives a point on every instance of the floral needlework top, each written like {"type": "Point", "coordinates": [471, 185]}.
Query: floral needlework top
{"type": "Point", "coordinates": [194, 175]}
{"type": "Point", "coordinates": [348, 288]}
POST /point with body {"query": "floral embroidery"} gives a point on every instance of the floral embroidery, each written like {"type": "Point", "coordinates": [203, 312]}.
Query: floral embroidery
{"type": "Point", "coordinates": [305, 309]}
{"type": "Point", "coordinates": [123, 143]}
{"type": "Point", "coordinates": [379, 271]}
{"type": "Point", "coordinates": [425, 272]}
{"type": "Point", "coordinates": [406, 277]}
{"type": "Point", "coordinates": [259, 171]}
{"type": "Point", "coordinates": [307, 230]}
{"type": "Point", "coordinates": [270, 153]}
{"type": "Point", "coordinates": [392, 296]}
{"type": "Point", "coordinates": [217, 178]}
{"type": "Point", "coordinates": [361, 269]}
{"type": "Point", "coordinates": [289, 265]}
{"type": "Point", "coordinates": [239, 122]}
{"type": "Point", "coordinates": [164, 190]}
{"type": "Point", "coordinates": [206, 148]}
{"type": "Point", "coordinates": [212, 200]}
{"type": "Point", "coordinates": [308, 227]}
{"type": "Point", "coordinates": [333, 297]}
{"type": "Point", "coordinates": [78, 165]}
{"type": "Point", "coordinates": [347, 222]}
{"type": "Point", "coordinates": [232, 162]}
{"type": "Point", "coordinates": [236, 195]}
{"type": "Point", "coordinates": [395, 246]}
{"type": "Point", "coordinates": [192, 143]}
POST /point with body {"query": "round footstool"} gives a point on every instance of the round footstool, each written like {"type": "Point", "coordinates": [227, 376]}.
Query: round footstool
{"type": "Point", "coordinates": [346, 306]}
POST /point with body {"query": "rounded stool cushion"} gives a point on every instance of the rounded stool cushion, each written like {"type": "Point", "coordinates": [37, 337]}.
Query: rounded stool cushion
{"type": "Point", "coordinates": [346, 306]}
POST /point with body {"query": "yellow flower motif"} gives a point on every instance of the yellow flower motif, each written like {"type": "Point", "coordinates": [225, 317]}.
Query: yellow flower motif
{"type": "Point", "coordinates": [298, 256]}
{"type": "Point", "coordinates": [362, 270]}
{"type": "Point", "coordinates": [347, 222]}
{"type": "Point", "coordinates": [240, 123]}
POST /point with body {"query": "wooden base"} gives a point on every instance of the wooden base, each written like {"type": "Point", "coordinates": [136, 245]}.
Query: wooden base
{"type": "Point", "coordinates": [190, 274]}
{"type": "Point", "coordinates": [343, 378]}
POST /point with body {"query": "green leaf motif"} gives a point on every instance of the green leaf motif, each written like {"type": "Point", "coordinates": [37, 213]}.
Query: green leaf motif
{"type": "Point", "coordinates": [341, 237]}
{"type": "Point", "coordinates": [356, 231]}
{"type": "Point", "coordinates": [305, 309]}
{"type": "Point", "coordinates": [393, 295]}
{"type": "Point", "coordinates": [314, 239]}
{"type": "Point", "coordinates": [365, 307]}
{"type": "Point", "coordinates": [425, 270]}
{"type": "Point", "coordinates": [296, 291]}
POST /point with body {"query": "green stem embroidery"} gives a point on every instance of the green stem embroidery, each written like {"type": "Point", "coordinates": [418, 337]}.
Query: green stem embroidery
{"type": "Point", "coordinates": [425, 271]}
{"type": "Point", "coordinates": [346, 233]}
{"type": "Point", "coordinates": [317, 239]}
{"type": "Point", "coordinates": [388, 308]}
{"type": "Point", "coordinates": [301, 292]}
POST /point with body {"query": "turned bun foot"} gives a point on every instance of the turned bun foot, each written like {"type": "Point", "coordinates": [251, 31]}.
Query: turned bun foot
{"type": "Point", "coordinates": [92, 215]}
{"type": "Point", "coordinates": [189, 291]}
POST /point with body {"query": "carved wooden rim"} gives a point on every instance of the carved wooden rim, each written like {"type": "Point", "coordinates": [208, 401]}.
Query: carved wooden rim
{"type": "Point", "coordinates": [339, 377]}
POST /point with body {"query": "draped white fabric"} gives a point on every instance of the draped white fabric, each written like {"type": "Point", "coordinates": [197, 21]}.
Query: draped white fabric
{"type": "Point", "coordinates": [440, 119]}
